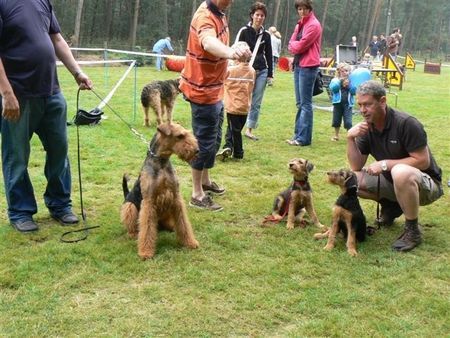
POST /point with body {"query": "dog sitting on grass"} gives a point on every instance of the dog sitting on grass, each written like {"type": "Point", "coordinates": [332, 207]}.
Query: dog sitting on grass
{"type": "Point", "coordinates": [160, 96]}
{"type": "Point", "coordinates": [348, 216]}
{"type": "Point", "coordinates": [155, 203]}
{"type": "Point", "coordinates": [297, 199]}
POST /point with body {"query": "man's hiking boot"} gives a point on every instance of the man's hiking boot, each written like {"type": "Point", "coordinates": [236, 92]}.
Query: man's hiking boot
{"type": "Point", "coordinates": [409, 239]}
{"type": "Point", "coordinates": [390, 210]}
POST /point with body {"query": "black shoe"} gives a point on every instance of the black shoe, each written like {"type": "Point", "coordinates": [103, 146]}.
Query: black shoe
{"type": "Point", "coordinates": [213, 188]}
{"type": "Point", "coordinates": [25, 225]}
{"type": "Point", "coordinates": [390, 210]}
{"type": "Point", "coordinates": [409, 239]}
{"type": "Point", "coordinates": [66, 219]}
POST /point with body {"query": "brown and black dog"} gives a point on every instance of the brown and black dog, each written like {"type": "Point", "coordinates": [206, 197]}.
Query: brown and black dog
{"type": "Point", "coordinates": [348, 216]}
{"type": "Point", "coordinates": [155, 202]}
{"type": "Point", "coordinates": [160, 96]}
{"type": "Point", "coordinates": [297, 198]}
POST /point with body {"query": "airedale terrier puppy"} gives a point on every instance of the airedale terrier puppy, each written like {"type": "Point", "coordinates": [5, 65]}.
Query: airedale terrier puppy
{"type": "Point", "coordinates": [348, 216]}
{"type": "Point", "coordinates": [297, 198]}
{"type": "Point", "coordinates": [155, 202]}
{"type": "Point", "coordinates": [160, 96]}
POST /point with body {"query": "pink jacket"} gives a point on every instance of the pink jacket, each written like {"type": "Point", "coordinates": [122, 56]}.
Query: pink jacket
{"type": "Point", "coordinates": [309, 44]}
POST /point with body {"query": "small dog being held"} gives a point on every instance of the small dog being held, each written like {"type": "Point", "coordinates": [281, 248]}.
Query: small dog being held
{"type": "Point", "coordinates": [348, 216]}
{"type": "Point", "coordinates": [155, 203]}
{"type": "Point", "coordinates": [160, 96]}
{"type": "Point", "coordinates": [297, 198]}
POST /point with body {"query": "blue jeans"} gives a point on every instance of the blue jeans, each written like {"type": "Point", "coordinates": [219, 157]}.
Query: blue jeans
{"type": "Point", "coordinates": [159, 61]}
{"type": "Point", "coordinates": [257, 96]}
{"type": "Point", "coordinates": [304, 79]}
{"type": "Point", "coordinates": [47, 117]}
{"type": "Point", "coordinates": [207, 122]}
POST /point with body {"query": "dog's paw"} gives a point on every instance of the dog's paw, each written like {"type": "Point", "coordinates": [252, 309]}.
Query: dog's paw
{"type": "Point", "coordinates": [320, 225]}
{"type": "Point", "coordinates": [328, 247]}
{"type": "Point", "coordinates": [321, 235]}
{"type": "Point", "coordinates": [147, 254]}
{"type": "Point", "coordinates": [193, 244]}
{"type": "Point", "coordinates": [352, 252]}
{"type": "Point", "coordinates": [290, 226]}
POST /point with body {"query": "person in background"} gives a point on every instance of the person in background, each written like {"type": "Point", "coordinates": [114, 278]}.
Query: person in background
{"type": "Point", "coordinates": [263, 62]}
{"type": "Point", "coordinates": [404, 174]}
{"type": "Point", "coordinates": [201, 82]}
{"type": "Point", "coordinates": [32, 103]}
{"type": "Point", "coordinates": [160, 47]}
{"type": "Point", "coordinates": [374, 49]}
{"type": "Point", "coordinates": [305, 44]}
{"type": "Point", "coordinates": [275, 37]}
{"type": "Point", "coordinates": [354, 42]}
{"type": "Point", "coordinates": [342, 98]}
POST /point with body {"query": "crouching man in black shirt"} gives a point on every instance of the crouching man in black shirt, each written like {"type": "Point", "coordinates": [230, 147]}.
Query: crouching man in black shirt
{"type": "Point", "coordinates": [409, 175]}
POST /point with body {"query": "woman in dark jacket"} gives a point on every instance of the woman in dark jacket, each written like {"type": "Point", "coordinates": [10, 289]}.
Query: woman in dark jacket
{"type": "Point", "coordinates": [262, 64]}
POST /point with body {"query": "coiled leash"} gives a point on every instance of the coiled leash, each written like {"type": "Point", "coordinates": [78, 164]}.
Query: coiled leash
{"type": "Point", "coordinates": [85, 229]}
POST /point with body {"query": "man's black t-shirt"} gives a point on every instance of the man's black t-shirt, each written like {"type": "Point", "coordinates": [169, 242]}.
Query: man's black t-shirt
{"type": "Point", "coordinates": [26, 49]}
{"type": "Point", "coordinates": [401, 135]}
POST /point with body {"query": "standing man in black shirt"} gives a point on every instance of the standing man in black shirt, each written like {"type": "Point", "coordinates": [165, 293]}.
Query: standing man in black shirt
{"type": "Point", "coordinates": [409, 175]}
{"type": "Point", "coordinates": [32, 102]}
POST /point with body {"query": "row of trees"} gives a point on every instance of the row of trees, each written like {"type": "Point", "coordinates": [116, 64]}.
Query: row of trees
{"type": "Point", "coordinates": [126, 24]}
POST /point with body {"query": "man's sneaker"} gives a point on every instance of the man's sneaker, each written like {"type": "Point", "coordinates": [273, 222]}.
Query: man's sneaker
{"type": "Point", "coordinates": [205, 203]}
{"type": "Point", "coordinates": [390, 210]}
{"type": "Point", "coordinates": [213, 188]}
{"type": "Point", "coordinates": [409, 239]}
{"type": "Point", "coordinates": [223, 154]}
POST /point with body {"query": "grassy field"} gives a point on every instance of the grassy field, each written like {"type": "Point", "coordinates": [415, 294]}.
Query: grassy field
{"type": "Point", "coordinates": [244, 280]}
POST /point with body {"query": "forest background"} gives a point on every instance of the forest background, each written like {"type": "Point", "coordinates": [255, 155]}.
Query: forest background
{"type": "Point", "coordinates": [138, 24]}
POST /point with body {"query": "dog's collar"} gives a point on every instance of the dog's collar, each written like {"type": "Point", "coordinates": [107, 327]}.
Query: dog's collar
{"type": "Point", "coordinates": [299, 184]}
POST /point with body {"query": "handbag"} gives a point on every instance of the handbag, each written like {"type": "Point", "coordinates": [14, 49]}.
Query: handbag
{"type": "Point", "coordinates": [84, 118]}
{"type": "Point", "coordinates": [318, 84]}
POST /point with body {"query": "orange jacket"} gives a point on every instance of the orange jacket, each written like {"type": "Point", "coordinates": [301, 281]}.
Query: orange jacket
{"type": "Point", "coordinates": [239, 88]}
{"type": "Point", "coordinates": [203, 75]}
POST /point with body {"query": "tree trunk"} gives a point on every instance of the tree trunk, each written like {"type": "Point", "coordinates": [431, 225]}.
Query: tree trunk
{"type": "Point", "coordinates": [275, 15]}
{"type": "Point", "coordinates": [194, 8]}
{"type": "Point", "coordinates": [76, 34]}
{"type": "Point", "coordinates": [134, 22]}
{"type": "Point", "coordinates": [342, 23]}
{"type": "Point", "coordinates": [374, 19]}
{"type": "Point", "coordinates": [325, 12]}
{"type": "Point", "coordinates": [108, 20]}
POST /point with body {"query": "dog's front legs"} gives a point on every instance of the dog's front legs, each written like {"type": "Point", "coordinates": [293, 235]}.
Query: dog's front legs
{"type": "Point", "coordinates": [351, 236]}
{"type": "Point", "coordinates": [312, 213]}
{"type": "Point", "coordinates": [333, 230]}
{"type": "Point", "coordinates": [291, 212]}
{"type": "Point", "coordinates": [183, 228]}
{"type": "Point", "coordinates": [148, 230]}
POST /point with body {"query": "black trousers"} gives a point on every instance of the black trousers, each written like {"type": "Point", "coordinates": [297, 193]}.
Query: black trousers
{"type": "Point", "coordinates": [233, 137]}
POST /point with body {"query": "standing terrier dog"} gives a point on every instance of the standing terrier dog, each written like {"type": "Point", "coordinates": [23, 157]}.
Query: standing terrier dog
{"type": "Point", "coordinates": [296, 198]}
{"type": "Point", "coordinates": [160, 96]}
{"type": "Point", "coordinates": [348, 216]}
{"type": "Point", "coordinates": [155, 202]}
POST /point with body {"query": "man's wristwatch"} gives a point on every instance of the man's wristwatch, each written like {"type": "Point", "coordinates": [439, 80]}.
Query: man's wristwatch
{"type": "Point", "coordinates": [384, 165]}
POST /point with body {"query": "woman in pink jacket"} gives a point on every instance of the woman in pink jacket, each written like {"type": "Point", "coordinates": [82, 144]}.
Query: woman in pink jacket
{"type": "Point", "coordinates": [305, 45]}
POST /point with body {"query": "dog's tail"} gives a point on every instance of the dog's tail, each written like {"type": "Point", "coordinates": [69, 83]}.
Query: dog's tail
{"type": "Point", "coordinates": [125, 188]}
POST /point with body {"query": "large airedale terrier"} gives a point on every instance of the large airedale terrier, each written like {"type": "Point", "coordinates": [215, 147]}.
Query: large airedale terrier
{"type": "Point", "coordinates": [297, 197]}
{"type": "Point", "coordinates": [155, 201]}
{"type": "Point", "coordinates": [160, 96]}
{"type": "Point", "coordinates": [348, 216]}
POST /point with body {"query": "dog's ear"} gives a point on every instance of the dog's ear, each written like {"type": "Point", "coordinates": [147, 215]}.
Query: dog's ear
{"type": "Point", "coordinates": [309, 166]}
{"type": "Point", "coordinates": [351, 180]}
{"type": "Point", "coordinates": [164, 129]}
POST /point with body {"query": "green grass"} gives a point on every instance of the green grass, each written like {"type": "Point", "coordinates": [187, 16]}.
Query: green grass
{"type": "Point", "coordinates": [244, 280]}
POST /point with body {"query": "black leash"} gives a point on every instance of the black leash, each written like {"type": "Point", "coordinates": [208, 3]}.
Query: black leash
{"type": "Point", "coordinates": [370, 229]}
{"type": "Point", "coordinates": [83, 214]}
